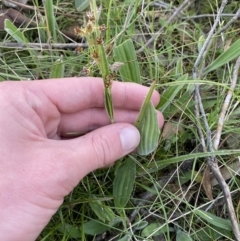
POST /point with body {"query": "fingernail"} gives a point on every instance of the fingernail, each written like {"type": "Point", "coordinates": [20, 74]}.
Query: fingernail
{"type": "Point", "coordinates": [130, 138]}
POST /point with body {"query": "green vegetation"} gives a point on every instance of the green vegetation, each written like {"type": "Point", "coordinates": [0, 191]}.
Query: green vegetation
{"type": "Point", "coordinates": [169, 194]}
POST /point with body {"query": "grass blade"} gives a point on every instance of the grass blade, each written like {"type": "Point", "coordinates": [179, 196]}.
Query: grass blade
{"type": "Point", "coordinates": [231, 53]}
{"type": "Point", "coordinates": [57, 69]}
{"type": "Point", "coordinates": [51, 21]}
{"type": "Point", "coordinates": [12, 30]}
{"type": "Point", "coordinates": [214, 220]}
{"type": "Point", "coordinates": [170, 93]}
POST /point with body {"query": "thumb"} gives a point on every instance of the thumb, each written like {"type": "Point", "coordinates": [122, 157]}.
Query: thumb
{"type": "Point", "coordinates": [103, 146]}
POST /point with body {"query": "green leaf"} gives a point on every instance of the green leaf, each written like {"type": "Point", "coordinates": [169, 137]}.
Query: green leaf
{"type": "Point", "coordinates": [201, 42]}
{"type": "Point", "coordinates": [11, 29]}
{"type": "Point", "coordinates": [103, 212]}
{"type": "Point", "coordinates": [124, 182]}
{"type": "Point", "coordinates": [81, 5]}
{"type": "Point", "coordinates": [182, 236]}
{"type": "Point", "coordinates": [144, 107]}
{"type": "Point", "coordinates": [50, 18]}
{"type": "Point", "coordinates": [125, 53]}
{"type": "Point", "coordinates": [127, 237]}
{"type": "Point", "coordinates": [149, 131]}
{"type": "Point", "coordinates": [70, 231]}
{"type": "Point", "coordinates": [57, 69]}
{"type": "Point", "coordinates": [154, 229]}
{"type": "Point", "coordinates": [95, 227]}
{"type": "Point", "coordinates": [209, 233]}
{"type": "Point", "coordinates": [147, 124]}
{"type": "Point", "coordinates": [231, 53]}
{"type": "Point", "coordinates": [179, 68]}
{"type": "Point", "coordinates": [171, 92]}
{"type": "Point", "coordinates": [214, 220]}
{"type": "Point", "coordinates": [159, 165]}
{"type": "Point", "coordinates": [140, 225]}
{"type": "Point", "coordinates": [108, 103]}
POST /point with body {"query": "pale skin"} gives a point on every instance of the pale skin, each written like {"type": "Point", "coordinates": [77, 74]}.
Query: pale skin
{"type": "Point", "coordinates": [39, 165]}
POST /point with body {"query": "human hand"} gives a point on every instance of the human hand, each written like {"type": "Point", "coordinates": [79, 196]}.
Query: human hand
{"type": "Point", "coordinates": [38, 167]}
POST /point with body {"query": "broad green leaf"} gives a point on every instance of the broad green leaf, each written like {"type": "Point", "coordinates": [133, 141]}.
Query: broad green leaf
{"type": "Point", "coordinates": [231, 53]}
{"type": "Point", "coordinates": [214, 220]}
{"type": "Point", "coordinates": [50, 18]}
{"type": "Point", "coordinates": [154, 229]}
{"type": "Point", "coordinates": [81, 5]}
{"type": "Point", "coordinates": [70, 231]}
{"type": "Point", "coordinates": [57, 69]}
{"type": "Point", "coordinates": [125, 53]}
{"type": "Point", "coordinates": [170, 93]}
{"type": "Point", "coordinates": [144, 107]}
{"type": "Point", "coordinates": [147, 124]}
{"type": "Point", "coordinates": [11, 29]}
{"type": "Point", "coordinates": [140, 225]}
{"type": "Point", "coordinates": [149, 131]}
{"type": "Point", "coordinates": [103, 212]}
{"type": "Point", "coordinates": [127, 237]}
{"type": "Point", "coordinates": [182, 236]}
{"type": "Point", "coordinates": [124, 182]}
{"type": "Point", "coordinates": [95, 227]}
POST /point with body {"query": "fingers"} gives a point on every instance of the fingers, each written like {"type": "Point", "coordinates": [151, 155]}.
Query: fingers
{"type": "Point", "coordinates": [93, 118]}
{"type": "Point", "coordinates": [98, 149]}
{"type": "Point", "coordinates": [73, 94]}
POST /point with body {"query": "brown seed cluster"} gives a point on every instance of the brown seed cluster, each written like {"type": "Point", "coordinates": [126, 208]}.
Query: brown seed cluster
{"type": "Point", "coordinates": [90, 16]}
{"type": "Point", "coordinates": [95, 55]}
{"type": "Point", "coordinates": [109, 79]}
{"type": "Point", "coordinates": [99, 41]}
{"type": "Point", "coordinates": [102, 27]}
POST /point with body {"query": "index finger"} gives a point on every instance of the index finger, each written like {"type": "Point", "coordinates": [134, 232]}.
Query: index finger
{"type": "Point", "coordinates": [73, 94]}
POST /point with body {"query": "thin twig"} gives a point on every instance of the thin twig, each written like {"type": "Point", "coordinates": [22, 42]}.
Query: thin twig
{"type": "Point", "coordinates": [208, 39]}
{"type": "Point", "coordinates": [212, 161]}
{"type": "Point", "coordinates": [43, 45]}
{"type": "Point", "coordinates": [170, 20]}
{"type": "Point", "coordinates": [197, 113]}
{"type": "Point", "coordinates": [235, 17]}
{"type": "Point", "coordinates": [228, 15]}
{"type": "Point", "coordinates": [41, 10]}
{"type": "Point", "coordinates": [226, 103]}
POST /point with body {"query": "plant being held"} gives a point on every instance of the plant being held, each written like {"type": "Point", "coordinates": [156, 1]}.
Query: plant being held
{"type": "Point", "coordinates": [94, 36]}
{"type": "Point", "coordinates": [147, 121]}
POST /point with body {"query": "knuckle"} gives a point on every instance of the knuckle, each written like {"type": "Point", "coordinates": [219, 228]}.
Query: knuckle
{"type": "Point", "coordinates": [102, 148]}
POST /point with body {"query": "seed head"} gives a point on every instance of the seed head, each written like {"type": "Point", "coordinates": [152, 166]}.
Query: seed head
{"type": "Point", "coordinates": [79, 31]}
{"type": "Point", "coordinates": [95, 55]}
{"type": "Point", "coordinates": [89, 28]}
{"type": "Point", "coordinates": [102, 27]}
{"type": "Point", "coordinates": [79, 49]}
{"type": "Point", "coordinates": [99, 41]}
{"type": "Point", "coordinates": [90, 16]}
{"type": "Point", "coordinates": [85, 71]}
